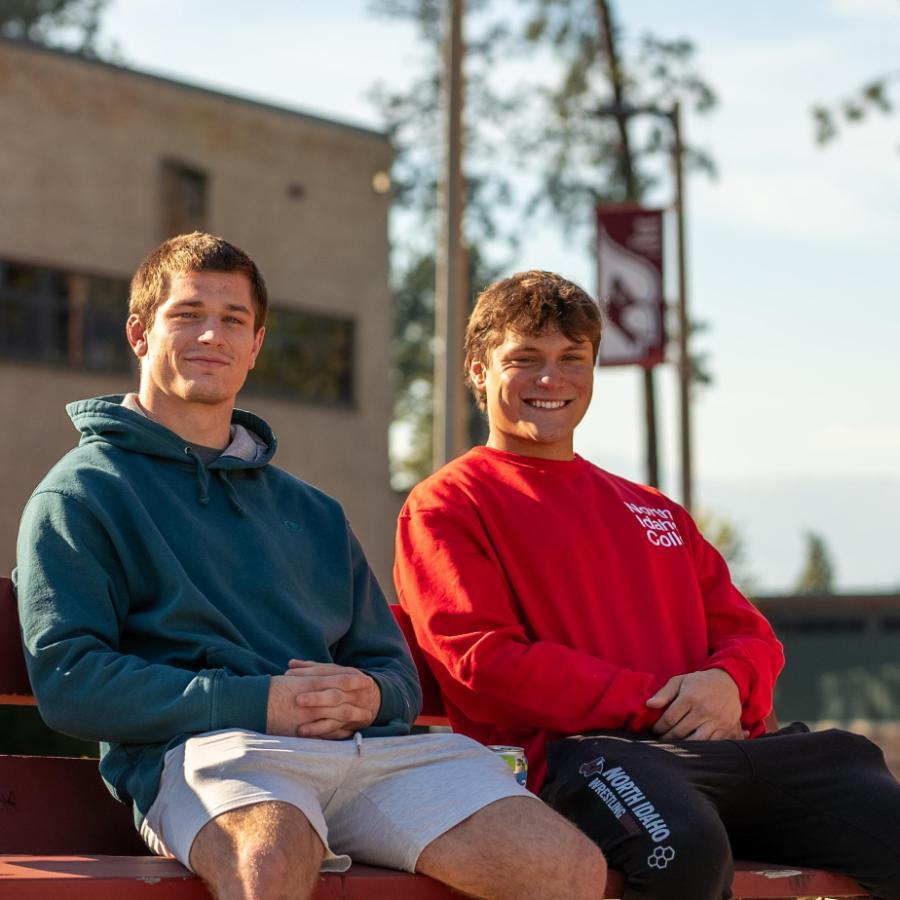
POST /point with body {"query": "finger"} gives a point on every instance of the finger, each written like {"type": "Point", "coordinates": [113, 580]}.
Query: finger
{"type": "Point", "coordinates": [678, 733]}
{"type": "Point", "coordinates": [674, 715]}
{"type": "Point", "coordinates": [319, 727]}
{"type": "Point", "coordinates": [681, 729]}
{"type": "Point", "coordinates": [666, 694]}
{"type": "Point", "coordinates": [338, 735]}
{"type": "Point", "coordinates": [705, 732]}
{"type": "Point", "coordinates": [327, 697]}
{"type": "Point", "coordinates": [345, 713]}
{"type": "Point", "coordinates": [347, 680]}
{"type": "Point", "coordinates": [317, 664]}
{"type": "Point", "coordinates": [330, 729]}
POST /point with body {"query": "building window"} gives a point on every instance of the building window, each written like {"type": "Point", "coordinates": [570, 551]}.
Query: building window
{"type": "Point", "coordinates": [183, 199]}
{"type": "Point", "coordinates": [306, 356]}
{"type": "Point", "coordinates": [56, 317]}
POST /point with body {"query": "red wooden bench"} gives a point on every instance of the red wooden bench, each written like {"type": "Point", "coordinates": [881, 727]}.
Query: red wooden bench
{"type": "Point", "coordinates": [62, 835]}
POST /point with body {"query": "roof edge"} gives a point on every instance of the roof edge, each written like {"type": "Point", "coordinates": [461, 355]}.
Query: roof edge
{"type": "Point", "coordinates": [34, 46]}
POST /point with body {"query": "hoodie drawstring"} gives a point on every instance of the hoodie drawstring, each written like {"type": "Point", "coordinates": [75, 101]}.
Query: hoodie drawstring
{"type": "Point", "coordinates": [202, 476]}
{"type": "Point", "coordinates": [203, 483]}
{"type": "Point", "coordinates": [231, 490]}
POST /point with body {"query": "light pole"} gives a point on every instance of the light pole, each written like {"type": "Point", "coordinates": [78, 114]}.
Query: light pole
{"type": "Point", "coordinates": [623, 111]}
{"type": "Point", "coordinates": [449, 401]}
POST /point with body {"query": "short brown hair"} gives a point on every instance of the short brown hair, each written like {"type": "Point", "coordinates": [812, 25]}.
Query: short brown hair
{"type": "Point", "coordinates": [531, 302]}
{"type": "Point", "coordinates": [195, 252]}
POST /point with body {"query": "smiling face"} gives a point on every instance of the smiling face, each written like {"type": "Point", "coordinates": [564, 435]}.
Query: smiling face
{"type": "Point", "coordinates": [201, 342]}
{"type": "Point", "coordinates": [537, 389]}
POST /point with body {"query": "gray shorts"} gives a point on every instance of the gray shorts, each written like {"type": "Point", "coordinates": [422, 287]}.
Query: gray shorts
{"type": "Point", "coordinates": [380, 801]}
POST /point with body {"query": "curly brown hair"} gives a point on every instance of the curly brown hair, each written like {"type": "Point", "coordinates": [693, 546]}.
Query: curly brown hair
{"type": "Point", "coordinates": [531, 302]}
{"type": "Point", "coordinates": [195, 252]}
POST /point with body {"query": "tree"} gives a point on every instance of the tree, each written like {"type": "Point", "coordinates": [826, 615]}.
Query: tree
{"type": "Point", "coordinates": [817, 576]}
{"type": "Point", "coordinates": [872, 97]}
{"type": "Point", "coordinates": [726, 537]}
{"type": "Point", "coordinates": [71, 24]}
{"type": "Point", "coordinates": [565, 156]}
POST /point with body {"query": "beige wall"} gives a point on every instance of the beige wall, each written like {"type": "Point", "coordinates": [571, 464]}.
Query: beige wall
{"type": "Point", "coordinates": [80, 188]}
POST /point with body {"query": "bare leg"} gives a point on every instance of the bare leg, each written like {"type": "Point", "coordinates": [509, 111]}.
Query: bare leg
{"type": "Point", "coordinates": [267, 851]}
{"type": "Point", "coordinates": [513, 849]}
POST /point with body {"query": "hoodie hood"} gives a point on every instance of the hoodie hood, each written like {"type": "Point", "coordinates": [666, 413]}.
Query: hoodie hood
{"type": "Point", "coordinates": [106, 420]}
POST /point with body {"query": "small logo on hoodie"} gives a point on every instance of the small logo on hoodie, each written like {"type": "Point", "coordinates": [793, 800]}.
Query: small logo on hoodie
{"type": "Point", "coordinates": [293, 526]}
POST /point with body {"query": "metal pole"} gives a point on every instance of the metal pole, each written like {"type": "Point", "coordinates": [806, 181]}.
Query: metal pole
{"type": "Point", "coordinates": [684, 359]}
{"type": "Point", "coordinates": [650, 427]}
{"type": "Point", "coordinates": [449, 268]}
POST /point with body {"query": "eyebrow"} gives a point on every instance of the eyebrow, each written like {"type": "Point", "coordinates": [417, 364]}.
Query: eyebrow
{"type": "Point", "coordinates": [230, 307]}
{"type": "Point", "coordinates": [521, 348]}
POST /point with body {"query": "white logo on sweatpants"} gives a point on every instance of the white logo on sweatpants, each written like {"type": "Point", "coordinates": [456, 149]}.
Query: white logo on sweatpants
{"type": "Point", "coordinates": [661, 857]}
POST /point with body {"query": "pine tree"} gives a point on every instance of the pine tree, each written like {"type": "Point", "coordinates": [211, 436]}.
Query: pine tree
{"type": "Point", "coordinates": [817, 576]}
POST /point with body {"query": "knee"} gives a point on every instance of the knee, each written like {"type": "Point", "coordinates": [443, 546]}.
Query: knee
{"type": "Point", "coordinates": [567, 859]}
{"type": "Point", "coordinates": [264, 869]}
{"type": "Point", "coordinates": [263, 851]}
{"type": "Point", "coordinates": [694, 862]}
{"type": "Point", "coordinates": [583, 867]}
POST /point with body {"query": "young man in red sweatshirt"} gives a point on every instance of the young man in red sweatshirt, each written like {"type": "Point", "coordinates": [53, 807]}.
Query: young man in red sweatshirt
{"type": "Point", "coordinates": [584, 617]}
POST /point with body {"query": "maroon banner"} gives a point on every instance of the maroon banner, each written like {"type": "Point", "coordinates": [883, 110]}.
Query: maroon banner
{"type": "Point", "coordinates": [630, 264]}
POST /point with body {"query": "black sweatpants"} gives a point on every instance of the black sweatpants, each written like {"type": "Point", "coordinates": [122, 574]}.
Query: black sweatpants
{"type": "Point", "coordinates": [672, 816]}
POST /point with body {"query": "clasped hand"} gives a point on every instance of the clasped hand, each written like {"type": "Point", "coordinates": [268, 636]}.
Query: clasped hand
{"type": "Point", "coordinates": [321, 700]}
{"type": "Point", "coordinates": [699, 706]}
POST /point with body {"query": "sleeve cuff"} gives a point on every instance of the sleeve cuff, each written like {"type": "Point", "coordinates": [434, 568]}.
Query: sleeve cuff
{"type": "Point", "coordinates": [395, 702]}
{"type": "Point", "coordinates": [240, 701]}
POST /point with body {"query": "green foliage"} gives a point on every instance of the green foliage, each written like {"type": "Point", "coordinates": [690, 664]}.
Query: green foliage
{"type": "Point", "coordinates": [586, 158]}
{"type": "Point", "coordinates": [71, 24]}
{"type": "Point", "coordinates": [545, 128]}
{"type": "Point", "coordinates": [817, 576]}
{"type": "Point", "coordinates": [873, 97]}
{"type": "Point", "coordinates": [726, 537]}
{"type": "Point", "coordinates": [413, 363]}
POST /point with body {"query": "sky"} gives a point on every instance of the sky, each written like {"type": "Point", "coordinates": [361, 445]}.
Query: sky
{"type": "Point", "coordinates": [792, 249]}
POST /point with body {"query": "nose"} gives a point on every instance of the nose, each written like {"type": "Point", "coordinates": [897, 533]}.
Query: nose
{"type": "Point", "coordinates": [549, 375]}
{"type": "Point", "coordinates": [211, 333]}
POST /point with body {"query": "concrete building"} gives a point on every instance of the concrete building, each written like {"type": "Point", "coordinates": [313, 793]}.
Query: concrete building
{"type": "Point", "coordinates": [98, 164]}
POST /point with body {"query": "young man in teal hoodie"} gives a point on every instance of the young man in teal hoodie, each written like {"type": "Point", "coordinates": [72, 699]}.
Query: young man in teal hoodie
{"type": "Point", "coordinates": [213, 621]}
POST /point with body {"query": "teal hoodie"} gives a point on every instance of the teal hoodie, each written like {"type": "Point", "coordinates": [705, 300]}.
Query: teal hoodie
{"type": "Point", "coordinates": [158, 595]}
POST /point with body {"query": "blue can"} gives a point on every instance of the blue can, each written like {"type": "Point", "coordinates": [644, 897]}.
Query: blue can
{"type": "Point", "coordinates": [515, 758]}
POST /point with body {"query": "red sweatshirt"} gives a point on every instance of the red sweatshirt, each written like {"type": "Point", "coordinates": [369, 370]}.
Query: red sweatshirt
{"type": "Point", "coordinates": [553, 598]}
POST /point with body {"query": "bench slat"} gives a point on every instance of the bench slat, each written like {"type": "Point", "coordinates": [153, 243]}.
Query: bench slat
{"type": "Point", "coordinates": [124, 877]}
{"type": "Point", "coordinates": [59, 805]}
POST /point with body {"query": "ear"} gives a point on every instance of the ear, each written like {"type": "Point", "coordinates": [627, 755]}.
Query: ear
{"type": "Point", "coordinates": [477, 374]}
{"type": "Point", "coordinates": [257, 345]}
{"type": "Point", "coordinates": [136, 332]}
